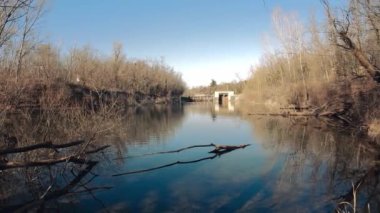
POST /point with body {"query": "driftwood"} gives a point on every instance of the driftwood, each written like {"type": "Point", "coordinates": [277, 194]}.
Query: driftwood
{"type": "Point", "coordinates": [222, 149]}
{"type": "Point", "coordinates": [217, 147]}
{"type": "Point", "coordinates": [97, 149]}
{"type": "Point", "coordinates": [218, 151]}
{"type": "Point", "coordinates": [166, 165]}
{"type": "Point", "coordinates": [334, 111]}
{"type": "Point", "coordinates": [45, 145]}
{"type": "Point", "coordinates": [77, 158]}
{"type": "Point", "coordinates": [46, 162]}
{"type": "Point", "coordinates": [182, 149]}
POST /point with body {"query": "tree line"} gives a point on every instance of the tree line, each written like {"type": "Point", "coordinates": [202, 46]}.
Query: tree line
{"type": "Point", "coordinates": [25, 60]}
{"type": "Point", "coordinates": [236, 86]}
{"type": "Point", "coordinates": [321, 64]}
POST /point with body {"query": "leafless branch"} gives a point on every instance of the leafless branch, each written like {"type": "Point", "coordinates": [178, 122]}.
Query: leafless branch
{"type": "Point", "coordinates": [46, 145]}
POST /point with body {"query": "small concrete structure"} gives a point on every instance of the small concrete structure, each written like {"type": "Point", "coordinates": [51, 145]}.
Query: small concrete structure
{"type": "Point", "coordinates": [224, 97]}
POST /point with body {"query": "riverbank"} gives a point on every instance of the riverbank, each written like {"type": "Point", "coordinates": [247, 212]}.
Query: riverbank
{"type": "Point", "coordinates": [58, 94]}
{"type": "Point", "coordinates": [333, 75]}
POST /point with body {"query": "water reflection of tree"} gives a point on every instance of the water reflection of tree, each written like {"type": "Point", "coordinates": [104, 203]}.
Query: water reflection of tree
{"type": "Point", "coordinates": [39, 188]}
{"type": "Point", "coordinates": [46, 186]}
{"type": "Point", "coordinates": [140, 125]}
{"type": "Point", "coordinates": [43, 186]}
{"type": "Point", "coordinates": [321, 162]}
{"type": "Point", "coordinates": [152, 122]}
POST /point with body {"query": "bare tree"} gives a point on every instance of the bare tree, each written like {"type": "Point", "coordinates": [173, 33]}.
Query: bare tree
{"type": "Point", "coordinates": [290, 32]}
{"type": "Point", "coordinates": [32, 14]}
{"type": "Point", "coordinates": [117, 61]}
{"type": "Point", "coordinates": [11, 12]}
{"type": "Point", "coordinates": [343, 28]}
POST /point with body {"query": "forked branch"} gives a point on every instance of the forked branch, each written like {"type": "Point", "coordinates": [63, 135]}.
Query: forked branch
{"type": "Point", "coordinates": [218, 151]}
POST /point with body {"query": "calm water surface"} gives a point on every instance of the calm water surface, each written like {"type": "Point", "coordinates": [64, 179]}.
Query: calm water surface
{"type": "Point", "coordinates": [290, 165]}
{"type": "Point", "coordinates": [224, 183]}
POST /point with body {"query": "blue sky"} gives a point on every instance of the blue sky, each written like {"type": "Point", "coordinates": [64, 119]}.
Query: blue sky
{"type": "Point", "coordinates": [202, 39]}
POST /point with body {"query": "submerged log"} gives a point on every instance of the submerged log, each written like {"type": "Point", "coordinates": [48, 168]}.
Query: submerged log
{"type": "Point", "coordinates": [218, 151]}
{"type": "Point", "coordinates": [221, 149]}
{"type": "Point", "coordinates": [334, 110]}
{"type": "Point", "coordinates": [45, 145]}
{"type": "Point", "coordinates": [77, 159]}
{"type": "Point", "coordinates": [45, 162]}
{"type": "Point", "coordinates": [217, 147]}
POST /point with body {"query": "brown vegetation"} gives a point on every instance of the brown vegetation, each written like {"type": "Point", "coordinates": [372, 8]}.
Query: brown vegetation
{"type": "Point", "coordinates": [331, 69]}
{"type": "Point", "coordinates": [236, 86]}
{"type": "Point", "coordinates": [65, 80]}
{"type": "Point", "coordinates": [57, 111]}
{"type": "Point", "coordinates": [37, 74]}
{"type": "Point", "coordinates": [41, 151]}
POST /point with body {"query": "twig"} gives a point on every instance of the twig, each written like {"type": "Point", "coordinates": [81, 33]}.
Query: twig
{"type": "Point", "coordinates": [221, 149]}
{"type": "Point", "coordinates": [90, 190]}
{"type": "Point", "coordinates": [72, 158]}
{"type": "Point", "coordinates": [164, 166]}
{"type": "Point", "coordinates": [80, 151]}
{"type": "Point", "coordinates": [97, 149]}
{"type": "Point", "coordinates": [168, 152]}
{"type": "Point", "coordinates": [16, 164]}
{"type": "Point", "coordinates": [218, 151]}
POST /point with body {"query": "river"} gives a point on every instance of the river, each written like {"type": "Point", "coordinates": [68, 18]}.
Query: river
{"type": "Point", "coordinates": [291, 165]}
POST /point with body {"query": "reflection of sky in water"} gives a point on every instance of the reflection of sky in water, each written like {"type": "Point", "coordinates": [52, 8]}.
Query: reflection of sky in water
{"type": "Point", "coordinates": [250, 179]}
{"type": "Point", "coordinates": [205, 185]}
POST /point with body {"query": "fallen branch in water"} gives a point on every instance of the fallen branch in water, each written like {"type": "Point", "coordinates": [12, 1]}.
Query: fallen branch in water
{"type": "Point", "coordinates": [217, 148]}
{"type": "Point", "coordinates": [218, 151]}
{"type": "Point", "coordinates": [97, 149]}
{"type": "Point", "coordinates": [72, 158]}
{"type": "Point", "coordinates": [45, 162]}
{"type": "Point", "coordinates": [336, 110]}
{"type": "Point", "coordinates": [45, 145]}
{"type": "Point", "coordinates": [168, 152]}
{"type": "Point", "coordinates": [164, 166]}
{"type": "Point", "coordinates": [222, 148]}
{"type": "Point", "coordinates": [182, 149]}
